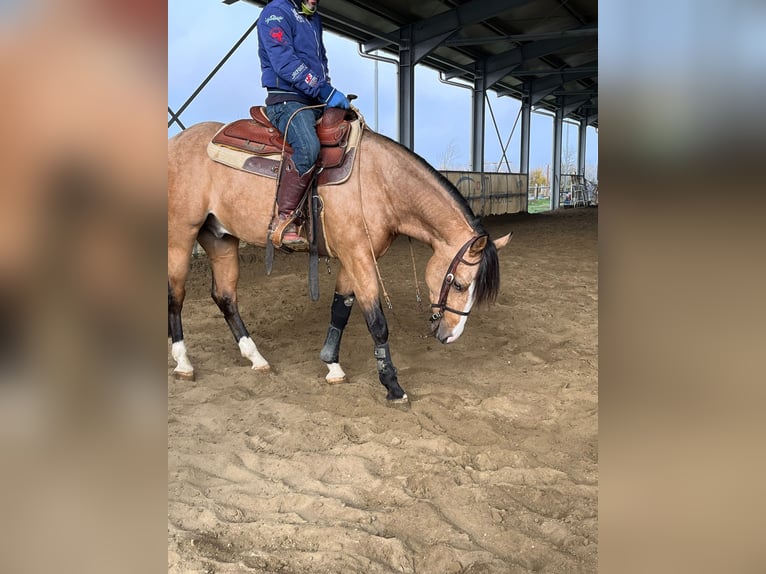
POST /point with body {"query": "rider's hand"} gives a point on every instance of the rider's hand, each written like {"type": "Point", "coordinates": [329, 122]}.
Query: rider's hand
{"type": "Point", "coordinates": [337, 100]}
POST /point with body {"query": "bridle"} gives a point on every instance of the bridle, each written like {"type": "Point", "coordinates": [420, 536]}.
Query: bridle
{"type": "Point", "coordinates": [449, 280]}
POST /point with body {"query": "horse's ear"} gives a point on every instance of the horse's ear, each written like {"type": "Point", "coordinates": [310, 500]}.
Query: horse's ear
{"type": "Point", "coordinates": [478, 245]}
{"type": "Point", "coordinates": [501, 242]}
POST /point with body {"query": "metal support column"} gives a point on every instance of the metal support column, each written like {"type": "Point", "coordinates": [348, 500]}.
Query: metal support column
{"type": "Point", "coordinates": [406, 95]}
{"type": "Point", "coordinates": [558, 124]}
{"type": "Point", "coordinates": [477, 118]}
{"type": "Point", "coordinates": [526, 116]}
{"type": "Point", "coordinates": [581, 141]}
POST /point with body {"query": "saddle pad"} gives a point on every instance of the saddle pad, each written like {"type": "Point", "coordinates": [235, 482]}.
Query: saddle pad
{"type": "Point", "coordinates": [267, 166]}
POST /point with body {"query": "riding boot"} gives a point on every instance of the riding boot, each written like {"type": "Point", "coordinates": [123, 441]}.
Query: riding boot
{"type": "Point", "coordinates": [292, 187]}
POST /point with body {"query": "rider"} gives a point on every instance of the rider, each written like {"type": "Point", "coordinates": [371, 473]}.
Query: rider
{"type": "Point", "coordinates": [295, 74]}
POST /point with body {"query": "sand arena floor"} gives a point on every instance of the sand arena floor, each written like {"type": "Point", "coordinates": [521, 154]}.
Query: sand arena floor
{"type": "Point", "coordinates": [492, 468]}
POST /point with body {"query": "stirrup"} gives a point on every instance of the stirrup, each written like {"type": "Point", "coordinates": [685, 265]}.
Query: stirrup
{"type": "Point", "coordinates": [279, 230]}
{"type": "Point", "coordinates": [299, 242]}
{"type": "Point", "coordinates": [277, 236]}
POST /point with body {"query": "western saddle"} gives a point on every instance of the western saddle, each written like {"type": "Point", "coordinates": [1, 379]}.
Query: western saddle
{"type": "Point", "coordinates": [256, 146]}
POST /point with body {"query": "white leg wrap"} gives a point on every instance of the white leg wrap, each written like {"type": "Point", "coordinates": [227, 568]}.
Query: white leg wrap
{"type": "Point", "coordinates": [249, 351]}
{"type": "Point", "coordinates": [181, 358]}
{"type": "Point", "coordinates": [336, 374]}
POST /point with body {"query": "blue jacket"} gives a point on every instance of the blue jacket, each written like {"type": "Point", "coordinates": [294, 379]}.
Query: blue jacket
{"type": "Point", "coordinates": [292, 54]}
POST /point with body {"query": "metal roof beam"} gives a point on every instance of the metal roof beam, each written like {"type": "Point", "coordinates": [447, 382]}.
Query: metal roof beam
{"type": "Point", "coordinates": [430, 33]}
{"type": "Point", "coordinates": [544, 87]}
{"type": "Point", "coordinates": [503, 64]}
{"type": "Point", "coordinates": [576, 32]}
{"type": "Point", "coordinates": [522, 73]}
{"type": "Point", "coordinates": [461, 16]}
{"type": "Point", "coordinates": [590, 92]}
{"type": "Point", "coordinates": [336, 21]}
{"type": "Point", "coordinates": [570, 104]}
{"type": "Point", "coordinates": [379, 44]}
{"type": "Point", "coordinates": [454, 73]}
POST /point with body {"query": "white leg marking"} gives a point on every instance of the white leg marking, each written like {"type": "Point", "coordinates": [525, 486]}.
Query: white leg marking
{"type": "Point", "coordinates": [181, 358]}
{"type": "Point", "coordinates": [336, 374]}
{"type": "Point", "coordinates": [458, 330]}
{"type": "Point", "coordinates": [249, 351]}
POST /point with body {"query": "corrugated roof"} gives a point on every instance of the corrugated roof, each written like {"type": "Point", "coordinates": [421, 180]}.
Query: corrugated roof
{"type": "Point", "coordinates": [544, 50]}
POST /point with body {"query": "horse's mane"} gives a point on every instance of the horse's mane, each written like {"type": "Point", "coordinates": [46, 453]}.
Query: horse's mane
{"type": "Point", "coordinates": [488, 277]}
{"type": "Point", "coordinates": [446, 184]}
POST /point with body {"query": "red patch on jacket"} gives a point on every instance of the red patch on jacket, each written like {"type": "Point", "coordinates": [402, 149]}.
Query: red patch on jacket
{"type": "Point", "coordinates": [278, 34]}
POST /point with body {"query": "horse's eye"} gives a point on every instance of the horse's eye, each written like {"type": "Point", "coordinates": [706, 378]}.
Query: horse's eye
{"type": "Point", "coordinates": [457, 286]}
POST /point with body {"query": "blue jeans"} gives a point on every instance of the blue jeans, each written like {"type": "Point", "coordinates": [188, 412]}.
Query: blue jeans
{"type": "Point", "coordinates": [302, 134]}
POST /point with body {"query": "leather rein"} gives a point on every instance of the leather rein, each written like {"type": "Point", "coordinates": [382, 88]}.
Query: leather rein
{"type": "Point", "coordinates": [449, 280]}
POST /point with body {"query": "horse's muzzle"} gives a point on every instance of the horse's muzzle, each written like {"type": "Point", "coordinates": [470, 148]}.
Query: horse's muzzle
{"type": "Point", "coordinates": [439, 330]}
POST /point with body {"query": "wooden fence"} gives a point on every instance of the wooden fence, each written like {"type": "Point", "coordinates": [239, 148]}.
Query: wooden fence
{"type": "Point", "coordinates": [491, 193]}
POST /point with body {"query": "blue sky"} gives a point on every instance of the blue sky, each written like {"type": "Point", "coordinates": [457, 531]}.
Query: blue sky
{"type": "Point", "coordinates": [201, 32]}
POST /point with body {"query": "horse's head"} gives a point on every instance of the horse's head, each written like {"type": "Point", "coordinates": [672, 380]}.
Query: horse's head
{"type": "Point", "coordinates": [457, 281]}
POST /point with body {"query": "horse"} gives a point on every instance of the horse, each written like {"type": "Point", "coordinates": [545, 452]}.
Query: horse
{"type": "Point", "coordinates": [391, 192]}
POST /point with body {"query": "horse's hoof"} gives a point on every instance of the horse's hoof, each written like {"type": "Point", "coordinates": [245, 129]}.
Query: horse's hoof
{"type": "Point", "coordinates": [184, 375]}
{"type": "Point", "coordinates": [263, 369]}
{"type": "Point", "coordinates": [336, 374]}
{"type": "Point", "coordinates": [403, 400]}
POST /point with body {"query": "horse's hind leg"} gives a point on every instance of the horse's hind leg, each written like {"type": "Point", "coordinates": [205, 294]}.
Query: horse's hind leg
{"type": "Point", "coordinates": [178, 269]}
{"type": "Point", "coordinates": [224, 260]}
{"type": "Point", "coordinates": [184, 369]}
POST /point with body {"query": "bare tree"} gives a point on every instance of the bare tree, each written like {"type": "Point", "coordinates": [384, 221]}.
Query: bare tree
{"type": "Point", "coordinates": [568, 162]}
{"type": "Point", "coordinates": [591, 172]}
{"type": "Point", "coordinates": [450, 153]}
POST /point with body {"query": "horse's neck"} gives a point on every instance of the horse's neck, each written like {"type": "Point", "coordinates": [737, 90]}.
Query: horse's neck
{"type": "Point", "coordinates": [431, 214]}
{"type": "Point", "coordinates": [421, 207]}
{"type": "Point", "coordinates": [433, 223]}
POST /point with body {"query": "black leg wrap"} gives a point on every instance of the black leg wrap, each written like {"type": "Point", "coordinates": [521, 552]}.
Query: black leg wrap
{"type": "Point", "coordinates": [376, 322]}
{"type": "Point", "coordinates": [387, 372]}
{"type": "Point", "coordinates": [331, 349]}
{"type": "Point", "coordinates": [341, 310]}
{"type": "Point", "coordinates": [339, 314]}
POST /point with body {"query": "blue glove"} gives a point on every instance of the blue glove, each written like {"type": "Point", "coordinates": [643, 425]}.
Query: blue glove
{"type": "Point", "coordinates": [337, 100]}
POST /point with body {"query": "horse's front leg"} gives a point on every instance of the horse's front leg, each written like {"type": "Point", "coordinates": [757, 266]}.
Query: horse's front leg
{"type": "Point", "coordinates": [358, 283]}
{"type": "Point", "coordinates": [378, 326]}
{"type": "Point", "coordinates": [339, 314]}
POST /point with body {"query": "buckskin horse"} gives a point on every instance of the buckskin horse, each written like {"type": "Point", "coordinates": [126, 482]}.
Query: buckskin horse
{"type": "Point", "coordinates": [391, 191]}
